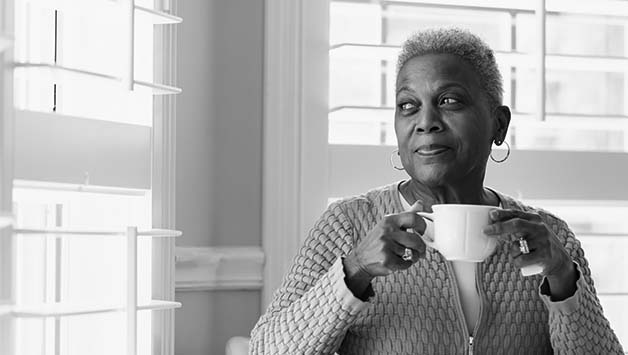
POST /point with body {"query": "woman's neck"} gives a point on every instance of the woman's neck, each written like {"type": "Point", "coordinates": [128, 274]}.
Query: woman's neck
{"type": "Point", "coordinates": [465, 193]}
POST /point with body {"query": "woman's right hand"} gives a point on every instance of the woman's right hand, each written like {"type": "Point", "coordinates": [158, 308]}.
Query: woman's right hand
{"type": "Point", "coordinates": [380, 252]}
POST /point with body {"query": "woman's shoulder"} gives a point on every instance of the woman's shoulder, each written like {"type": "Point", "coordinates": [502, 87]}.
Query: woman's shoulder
{"type": "Point", "coordinates": [383, 198]}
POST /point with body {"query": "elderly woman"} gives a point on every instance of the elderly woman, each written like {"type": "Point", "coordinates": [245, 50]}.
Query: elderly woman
{"type": "Point", "coordinates": [354, 288]}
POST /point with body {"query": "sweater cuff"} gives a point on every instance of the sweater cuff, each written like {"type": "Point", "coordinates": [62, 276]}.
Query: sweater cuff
{"type": "Point", "coordinates": [570, 303]}
{"type": "Point", "coordinates": [348, 301]}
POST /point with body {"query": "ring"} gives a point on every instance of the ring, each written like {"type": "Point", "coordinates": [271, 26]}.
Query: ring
{"type": "Point", "coordinates": [407, 254]}
{"type": "Point", "coordinates": [523, 246]}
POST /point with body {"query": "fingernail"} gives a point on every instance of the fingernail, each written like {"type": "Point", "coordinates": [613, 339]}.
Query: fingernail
{"type": "Point", "coordinates": [489, 229]}
{"type": "Point", "coordinates": [494, 214]}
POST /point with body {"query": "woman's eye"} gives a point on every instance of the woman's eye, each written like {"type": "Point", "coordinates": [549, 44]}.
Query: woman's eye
{"type": "Point", "coordinates": [450, 101]}
{"type": "Point", "coordinates": [407, 106]}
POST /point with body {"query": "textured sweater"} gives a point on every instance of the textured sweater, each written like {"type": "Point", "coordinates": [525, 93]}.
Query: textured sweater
{"type": "Point", "coordinates": [418, 311]}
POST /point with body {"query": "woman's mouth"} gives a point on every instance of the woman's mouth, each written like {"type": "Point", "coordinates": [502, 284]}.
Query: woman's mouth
{"type": "Point", "coordinates": [431, 150]}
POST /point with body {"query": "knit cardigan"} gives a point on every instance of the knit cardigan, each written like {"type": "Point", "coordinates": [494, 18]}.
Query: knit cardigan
{"type": "Point", "coordinates": [418, 311]}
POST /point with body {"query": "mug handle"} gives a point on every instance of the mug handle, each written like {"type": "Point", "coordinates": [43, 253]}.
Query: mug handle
{"type": "Point", "coordinates": [429, 229]}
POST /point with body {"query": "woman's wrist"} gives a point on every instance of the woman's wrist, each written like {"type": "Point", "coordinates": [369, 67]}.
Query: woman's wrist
{"type": "Point", "coordinates": [356, 278]}
{"type": "Point", "coordinates": [562, 284]}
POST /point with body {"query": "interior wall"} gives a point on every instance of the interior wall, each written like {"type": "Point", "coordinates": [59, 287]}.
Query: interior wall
{"type": "Point", "coordinates": [219, 157]}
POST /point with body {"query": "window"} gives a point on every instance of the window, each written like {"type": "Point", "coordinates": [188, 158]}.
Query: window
{"type": "Point", "coordinates": [91, 153]}
{"type": "Point", "coordinates": [582, 46]}
{"type": "Point", "coordinates": [579, 61]}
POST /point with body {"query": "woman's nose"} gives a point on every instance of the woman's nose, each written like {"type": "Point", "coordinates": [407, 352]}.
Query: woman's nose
{"type": "Point", "coordinates": [428, 120]}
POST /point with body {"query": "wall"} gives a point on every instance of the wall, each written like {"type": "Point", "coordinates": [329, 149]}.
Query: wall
{"type": "Point", "coordinates": [219, 159]}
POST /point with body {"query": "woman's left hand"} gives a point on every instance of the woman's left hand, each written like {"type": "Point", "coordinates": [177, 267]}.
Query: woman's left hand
{"type": "Point", "coordinates": [545, 248]}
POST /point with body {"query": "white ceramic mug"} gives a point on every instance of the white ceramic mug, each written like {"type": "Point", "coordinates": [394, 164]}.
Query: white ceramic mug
{"type": "Point", "coordinates": [456, 231]}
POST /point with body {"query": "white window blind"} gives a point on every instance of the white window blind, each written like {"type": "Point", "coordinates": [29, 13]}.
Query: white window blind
{"type": "Point", "coordinates": [565, 69]}
{"type": "Point", "coordinates": [89, 258]}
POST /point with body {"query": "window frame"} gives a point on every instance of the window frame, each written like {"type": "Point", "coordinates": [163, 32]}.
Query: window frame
{"type": "Point", "coordinates": [163, 187]}
{"type": "Point", "coordinates": [295, 137]}
{"type": "Point", "coordinates": [162, 159]}
{"type": "Point", "coordinates": [557, 175]}
{"type": "Point", "coordinates": [300, 170]}
{"type": "Point", "coordinates": [7, 244]}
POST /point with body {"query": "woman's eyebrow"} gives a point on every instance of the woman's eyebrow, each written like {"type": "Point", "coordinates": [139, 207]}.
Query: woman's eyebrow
{"type": "Point", "coordinates": [447, 85]}
{"type": "Point", "coordinates": [439, 87]}
{"type": "Point", "coordinates": [403, 88]}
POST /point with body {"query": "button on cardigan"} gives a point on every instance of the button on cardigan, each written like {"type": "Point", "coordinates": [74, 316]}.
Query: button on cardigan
{"type": "Point", "coordinates": [417, 311]}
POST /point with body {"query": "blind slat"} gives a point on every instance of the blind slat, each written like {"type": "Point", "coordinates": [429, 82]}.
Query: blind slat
{"type": "Point", "coordinates": [57, 72]}
{"type": "Point", "coordinates": [615, 8]}
{"type": "Point", "coordinates": [518, 59]}
{"type": "Point", "coordinates": [550, 175]}
{"type": "Point", "coordinates": [66, 149]}
{"type": "Point", "coordinates": [157, 17]}
{"type": "Point", "coordinates": [64, 310]}
{"type": "Point", "coordinates": [156, 233]}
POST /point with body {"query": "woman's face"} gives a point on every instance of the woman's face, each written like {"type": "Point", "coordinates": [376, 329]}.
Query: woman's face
{"type": "Point", "coordinates": [442, 120]}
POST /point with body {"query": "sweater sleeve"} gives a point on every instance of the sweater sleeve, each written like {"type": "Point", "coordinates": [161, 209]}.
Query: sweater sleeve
{"type": "Point", "coordinates": [577, 324]}
{"type": "Point", "coordinates": [313, 308]}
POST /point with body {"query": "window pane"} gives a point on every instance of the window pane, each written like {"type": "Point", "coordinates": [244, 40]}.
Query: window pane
{"type": "Point", "coordinates": [586, 92]}
{"type": "Point", "coordinates": [355, 81]}
{"type": "Point", "coordinates": [602, 229]}
{"type": "Point", "coordinates": [524, 84]}
{"type": "Point", "coordinates": [354, 23]}
{"type": "Point", "coordinates": [573, 133]}
{"type": "Point", "coordinates": [355, 126]}
{"type": "Point", "coordinates": [575, 34]}
{"type": "Point", "coordinates": [103, 99]}
{"type": "Point", "coordinates": [100, 334]}
{"type": "Point", "coordinates": [586, 217]}
{"type": "Point", "coordinates": [34, 33]}
{"type": "Point", "coordinates": [616, 312]}
{"type": "Point", "coordinates": [402, 21]}
{"type": "Point", "coordinates": [92, 270]}
{"type": "Point", "coordinates": [606, 256]}
{"type": "Point", "coordinates": [92, 41]}
{"type": "Point", "coordinates": [30, 335]}
{"type": "Point", "coordinates": [586, 35]}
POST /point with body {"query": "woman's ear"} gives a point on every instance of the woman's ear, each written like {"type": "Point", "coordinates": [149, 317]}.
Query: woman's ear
{"type": "Point", "coordinates": [501, 116]}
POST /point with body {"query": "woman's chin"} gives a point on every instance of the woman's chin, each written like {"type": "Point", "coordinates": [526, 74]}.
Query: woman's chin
{"type": "Point", "coordinates": [431, 176]}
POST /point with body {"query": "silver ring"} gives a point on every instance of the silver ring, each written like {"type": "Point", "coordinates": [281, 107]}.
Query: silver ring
{"type": "Point", "coordinates": [523, 246]}
{"type": "Point", "coordinates": [407, 254]}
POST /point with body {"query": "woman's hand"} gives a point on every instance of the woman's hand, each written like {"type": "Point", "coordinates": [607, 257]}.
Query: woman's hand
{"type": "Point", "coordinates": [545, 248]}
{"type": "Point", "coordinates": [380, 252]}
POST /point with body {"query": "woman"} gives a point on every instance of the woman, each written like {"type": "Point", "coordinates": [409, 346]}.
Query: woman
{"type": "Point", "coordinates": [363, 283]}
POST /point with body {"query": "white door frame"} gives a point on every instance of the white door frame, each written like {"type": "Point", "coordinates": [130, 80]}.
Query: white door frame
{"type": "Point", "coordinates": [294, 131]}
{"type": "Point", "coordinates": [7, 245]}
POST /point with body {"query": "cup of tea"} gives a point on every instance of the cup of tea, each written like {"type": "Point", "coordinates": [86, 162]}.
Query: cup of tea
{"type": "Point", "coordinates": [456, 231]}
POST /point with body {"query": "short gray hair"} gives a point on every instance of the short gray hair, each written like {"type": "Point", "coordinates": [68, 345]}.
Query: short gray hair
{"type": "Point", "coordinates": [471, 48]}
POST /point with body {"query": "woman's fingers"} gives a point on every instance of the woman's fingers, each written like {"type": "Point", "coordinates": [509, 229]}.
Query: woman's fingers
{"type": "Point", "coordinates": [544, 248]}
{"type": "Point", "coordinates": [394, 249]}
{"type": "Point", "coordinates": [511, 229]}
{"type": "Point", "coordinates": [523, 260]}
{"type": "Point", "coordinates": [383, 249]}
{"type": "Point", "coordinates": [497, 215]}
{"type": "Point", "coordinates": [406, 220]}
{"type": "Point", "coordinates": [398, 251]}
{"type": "Point", "coordinates": [409, 240]}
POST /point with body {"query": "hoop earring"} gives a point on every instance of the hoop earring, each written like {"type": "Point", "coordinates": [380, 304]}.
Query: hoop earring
{"type": "Point", "coordinates": [507, 153]}
{"type": "Point", "coordinates": [392, 162]}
